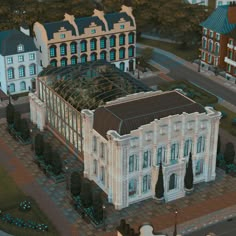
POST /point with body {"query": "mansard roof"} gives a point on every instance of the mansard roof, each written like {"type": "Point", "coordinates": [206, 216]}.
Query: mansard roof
{"type": "Point", "coordinates": [130, 115]}
{"type": "Point", "coordinates": [10, 39]}
{"type": "Point", "coordinates": [218, 21]}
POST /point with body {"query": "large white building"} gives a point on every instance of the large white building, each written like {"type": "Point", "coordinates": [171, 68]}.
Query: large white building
{"type": "Point", "coordinates": [216, 3]}
{"type": "Point", "coordinates": [18, 61]}
{"type": "Point", "coordinates": [125, 140]}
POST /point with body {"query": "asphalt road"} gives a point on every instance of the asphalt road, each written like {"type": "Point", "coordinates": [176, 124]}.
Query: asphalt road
{"type": "Point", "coordinates": [179, 72]}
{"type": "Point", "coordinates": [225, 228]}
{"type": "Point", "coordinates": [22, 108]}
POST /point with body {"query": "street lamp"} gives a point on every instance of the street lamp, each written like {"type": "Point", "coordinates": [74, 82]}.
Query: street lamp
{"type": "Point", "coordinates": [104, 217]}
{"type": "Point", "coordinates": [175, 229]}
{"type": "Point", "coordinates": [199, 64]}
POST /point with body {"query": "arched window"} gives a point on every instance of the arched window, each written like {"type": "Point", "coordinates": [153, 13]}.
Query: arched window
{"type": "Point", "coordinates": [73, 60]}
{"type": "Point", "coordinates": [131, 38]}
{"type": "Point", "coordinates": [210, 45]}
{"type": "Point", "coordinates": [102, 176]}
{"type": "Point", "coordinates": [122, 66]}
{"type": "Point", "coordinates": [201, 144]}
{"type": "Point", "coordinates": [199, 167]}
{"type": "Point", "coordinates": [172, 182]}
{"type": "Point", "coordinates": [21, 70]}
{"type": "Point", "coordinates": [122, 39]}
{"type": "Point", "coordinates": [10, 73]}
{"type": "Point", "coordinates": [64, 62]}
{"type": "Point", "coordinates": [174, 151]}
{"type": "Point", "coordinates": [161, 155]}
{"type": "Point", "coordinates": [146, 183]}
{"type": "Point", "coordinates": [133, 163]}
{"type": "Point", "coordinates": [73, 48]}
{"type": "Point", "coordinates": [83, 58]}
{"type": "Point", "coordinates": [83, 46]}
{"type": "Point", "coordinates": [32, 69]}
{"type": "Point", "coordinates": [93, 56]}
{"type": "Point", "coordinates": [93, 44]}
{"type": "Point", "coordinates": [121, 53]}
{"type": "Point", "coordinates": [113, 55]}
{"type": "Point", "coordinates": [131, 51]}
{"type": "Point", "coordinates": [133, 183]}
{"type": "Point", "coordinates": [12, 88]}
{"type": "Point", "coordinates": [22, 85]}
{"type": "Point", "coordinates": [146, 159]}
{"type": "Point", "coordinates": [95, 167]}
{"type": "Point", "coordinates": [53, 63]}
{"type": "Point", "coordinates": [103, 43]}
{"type": "Point", "coordinates": [112, 41]}
{"type": "Point", "coordinates": [53, 51]}
{"type": "Point", "coordinates": [63, 51]}
{"type": "Point", "coordinates": [217, 48]}
{"type": "Point", "coordinates": [187, 147]}
{"type": "Point", "coordinates": [103, 55]}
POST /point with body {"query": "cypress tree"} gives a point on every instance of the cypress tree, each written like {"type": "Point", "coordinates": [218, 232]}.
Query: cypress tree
{"type": "Point", "coordinates": [39, 144]}
{"type": "Point", "coordinates": [188, 179]}
{"type": "Point", "coordinates": [10, 110]}
{"type": "Point", "coordinates": [159, 189]}
{"type": "Point", "coordinates": [75, 183]}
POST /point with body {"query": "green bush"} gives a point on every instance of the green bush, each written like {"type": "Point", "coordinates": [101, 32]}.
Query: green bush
{"type": "Point", "coordinates": [224, 114]}
{"type": "Point", "coordinates": [234, 121]}
{"type": "Point", "coordinates": [39, 144]}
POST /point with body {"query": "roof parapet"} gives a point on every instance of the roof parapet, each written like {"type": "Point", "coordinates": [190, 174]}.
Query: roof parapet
{"type": "Point", "coordinates": [71, 19]}
{"type": "Point", "coordinates": [100, 15]}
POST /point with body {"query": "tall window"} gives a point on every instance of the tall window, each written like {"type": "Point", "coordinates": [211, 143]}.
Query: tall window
{"type": "Point", "coordinates": [204, 43]}
{"type": "Point", "coordinates": [103, 55]}
{"type": "Point", "coordinates": [12, 88]}
{"type": "Point", "coordinates": [172, 182]}
{"type": "Point", "coordinates": [146, 183]}
{"type": "Point", "coordinates": [32, 70]}
{"type": "Point", "coordinates": [201, 144]}
{"type": "Point", "coordinates": [122, 66]}
{"type": "Point", "coordinates": [133, 183]}
{"type": "Point", "coordinates": [102, 43]}
{"type": "Point", "coordinates": [112, 41]}
{"type": "Point", "coordinates": [133, 163]}
{"type": "Point", "coordinates": [102, 150]}
{"type": "Point", "coordinates": [146, 159]}
{"type": "Point", "coordinates": [64, 62]}
{"type": "Point", "coordinates": [102, 175]}
{"type": "Point", "coordinates": [53, 63]}
{"type": "Point", "coordinates": [31, 56]}
{"type": "Point", "coordinates": [93, 44]}
{"type": "Point", "coordinates": [9, 60]}
{"type": "Point", "coordinates": [93, 56]}
{"type": "Point", "coordinates": [10, 73]}
{"type": "Point", "coordinates": [210, 45]}
{"type": "Point", "coordinates": [73, 60]}
{"type": "Point", "coordinates": [199, 167]}
{"type": "Point", "coordinates": [122, 39]}
{"type": "Point", "coordinates": [21, 70]}
{"type": "Point", "coordinates": [174, 151]}
{"type": "Point", "coordinates": [95, 167]}
{"type": "Point", "coordinates": [131, 38]}
{"type": "Point", "coordinates": [121, 53]}
{"type": "Point", "coordinates": [187, 147]}
{"type": "Point", "coordinates": [112, 55]}
{"type": "Point", "coordinates": [131, 51]}
{"type": "Point", "coordinates": [53, 51]}
{"type": "Point", "coordinates": [83, 46]}
{"type": "Point", "coordinates": [22, 85]}
{"type": "Point", "coordinates": [94, 143]}
{"type": "Point", "coordinates": [20, 58]}
{"type": "Point", "coordinates": [217, 48]}
{"type": "Point", "coordinates": [73, 48]}
{"type": "Point", "coordinates": [63, 49]}
{"type": "Point", "coordinates": [83, 58]}
{"type": "Point", "coordinates": [161, 155]}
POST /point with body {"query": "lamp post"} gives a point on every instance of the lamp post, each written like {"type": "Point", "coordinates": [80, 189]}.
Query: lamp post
{"type": "Point", "coordinates": [104, 217]}
{"type": "Point", "coordinates": [199, 64]}
{"type": "Point", "coordinates": [175, 229]}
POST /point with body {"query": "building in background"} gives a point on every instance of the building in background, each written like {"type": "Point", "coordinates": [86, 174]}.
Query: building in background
{"type": "Point", "coordinates": [110, 37]}
{"type": "Point", "coordinates": [213, 3]}
{"type": "Point", "coordinates": [18, 61]}
{"type": "Point", "coordinates": [126, 139]}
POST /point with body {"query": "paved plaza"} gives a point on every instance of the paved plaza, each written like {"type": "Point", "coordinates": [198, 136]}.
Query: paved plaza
{"type": "Point", "coordinates": [53, 199]}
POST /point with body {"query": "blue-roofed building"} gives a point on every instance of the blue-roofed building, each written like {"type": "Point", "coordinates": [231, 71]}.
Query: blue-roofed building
{"type": "Point", "coordinates": [18, 61]}
{"type": "Point", "coordinates": [217, 48]}
{"type": "Point", "coordinates": [110, 37]}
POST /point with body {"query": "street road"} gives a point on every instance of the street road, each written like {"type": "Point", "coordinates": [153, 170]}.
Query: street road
{"type": "Point", "coordinates": [22, 108]}
{"type": "Point", "coordinates": [225, 228]}
{"type": "Point", "coordinates": [179, 72]}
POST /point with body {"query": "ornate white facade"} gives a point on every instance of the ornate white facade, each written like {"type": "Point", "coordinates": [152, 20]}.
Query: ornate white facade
{"type": "Point", "coordinates": [126, 166]}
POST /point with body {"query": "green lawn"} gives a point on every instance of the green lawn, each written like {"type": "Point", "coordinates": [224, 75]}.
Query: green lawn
{"type": "Point", "coordinates": [188, 54]}
{"type": "Point", "coordinates": [10, 197]}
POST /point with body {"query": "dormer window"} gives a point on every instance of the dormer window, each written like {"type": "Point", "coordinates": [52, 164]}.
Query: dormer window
{"type": "Point", "coordinates": [20, 48]}
{"type": "Point", "coordinates": [122, 26]}
{"type": "Point", "coordinates": [62, 36]}
{"type": "Point", "coordinates": [93, 31]}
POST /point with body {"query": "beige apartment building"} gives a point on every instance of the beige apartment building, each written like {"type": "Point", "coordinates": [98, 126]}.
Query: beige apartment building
{"type": "Point", "coordinates": [109, 37]}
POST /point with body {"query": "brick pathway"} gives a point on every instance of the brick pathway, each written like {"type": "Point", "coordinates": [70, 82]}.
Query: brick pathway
{"type": "Point", "coordinates": [52, 198]}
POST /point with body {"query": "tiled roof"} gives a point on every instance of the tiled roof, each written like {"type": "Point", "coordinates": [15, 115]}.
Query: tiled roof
{"type": "Point", "coordinates": [10, 39]}
{"type": "Point", "coordinates": [113, 18]}
{"type": "Point", "coordinates": [218, 21]}
{"type": "Point", "coordinates": [85, 22]}
{"type": "Point", "coordinates": [130, 115]}
{"type": "Point", "coordinates": [54, 27]}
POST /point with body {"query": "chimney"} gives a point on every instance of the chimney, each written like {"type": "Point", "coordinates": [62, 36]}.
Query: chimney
{"type": "Point", "coordinates": [24, 28]}
{"type": "Point", "coordinates": [232, 13]}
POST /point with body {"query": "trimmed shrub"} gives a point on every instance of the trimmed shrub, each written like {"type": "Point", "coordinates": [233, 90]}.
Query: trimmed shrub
{"type": "Point", "coordinates": [159, 189]}
{"type": "Point", "coordinates": [10, 111]}
{"type": "Point", "coordinates": [224, 114]}
{"type": "Point", "coordinates": [47, 154]}
{"type": "Point", "coordinates": [39, 144]}
{"type": "Point", "coordinates": [97, 206]}
{"type": "Point", "coordinates": [188, 179]}
{"type": "Point", "coordinates": [86, 193]}
{"type": "Point", "coordinates": [56, 163]}
{"type": "Point", "coordinates": [24, 129]}
{"type": "Point", "coordinates": [75, 183]}
{"type": "Point", "coordinates": [17, 121]}
{"type": "Point", "coordinates": [229, 153]}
